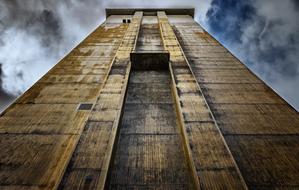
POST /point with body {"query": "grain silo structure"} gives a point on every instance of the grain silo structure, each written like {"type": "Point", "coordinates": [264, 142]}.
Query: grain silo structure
{"type": "Point", "coordinates": [149, 100]}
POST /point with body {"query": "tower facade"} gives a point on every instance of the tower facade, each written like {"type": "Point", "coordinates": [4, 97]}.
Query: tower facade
{"type": "Point", "coordinates": [149, 100]}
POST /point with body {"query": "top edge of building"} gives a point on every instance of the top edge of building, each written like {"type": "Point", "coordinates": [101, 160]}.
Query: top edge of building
{"type": "Point", "coordinates": [150, 11]}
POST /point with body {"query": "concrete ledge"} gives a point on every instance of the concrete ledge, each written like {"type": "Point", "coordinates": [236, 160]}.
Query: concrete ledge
{"type": "Point", "coordinates": [150, 11]}
{"type": "Point", "coordinates": [150, 60]}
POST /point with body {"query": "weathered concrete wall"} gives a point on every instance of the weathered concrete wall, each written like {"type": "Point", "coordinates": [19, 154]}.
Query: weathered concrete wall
{"type": "Point", "coordinates": [40, 131]}
{"type": "Point", "coordinates": [149, 153]}
{"type": "Point", "coordinates": [93, 156]}
{"type": "Point", "coordinates": [260, 128]}
{"type": "Point", "coordinates": [210, 160]}
{"type": "Point", "coordinates": [202, 121]}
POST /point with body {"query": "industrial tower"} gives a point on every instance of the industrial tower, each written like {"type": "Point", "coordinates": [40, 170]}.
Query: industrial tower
{"type": "Point", "coordinates": [149, 100]}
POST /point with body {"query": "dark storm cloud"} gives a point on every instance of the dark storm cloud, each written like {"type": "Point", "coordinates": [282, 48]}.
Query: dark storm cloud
{"type": "Point", "coordinates": [226, 18]}
{"type": "Point", "coordinates": [296, 3]}
{"type": "Point", "coordinates": [34, 35]}
{"type": "Point", "coordinates": [265, 35]}
{"type": "Point", "coordinates": [5, 99]}
{"type": "Point", "coordinates": [42, 23]}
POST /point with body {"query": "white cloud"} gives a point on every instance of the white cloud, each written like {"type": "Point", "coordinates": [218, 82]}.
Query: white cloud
{"type": "Point", "coordinates": [21, 58]}
{"type": "Point", "coordinates": [282, 72]}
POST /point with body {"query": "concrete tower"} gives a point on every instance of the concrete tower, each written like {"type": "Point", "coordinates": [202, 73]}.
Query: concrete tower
{"type": "Point", "coordinates": [149, 100]}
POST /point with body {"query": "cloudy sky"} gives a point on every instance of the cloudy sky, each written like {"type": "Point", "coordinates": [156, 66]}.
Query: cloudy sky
{"type": "Point", "coordinates": [35, 34]}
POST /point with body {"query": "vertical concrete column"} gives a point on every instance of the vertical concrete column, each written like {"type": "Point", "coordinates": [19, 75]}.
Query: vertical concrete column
{"type": "Point", "coordinates": [89, 165]}
{"type": "Point", "coordinates": [116, 87]}
{"type": "Point", "coordinates": [41, 130]}
{"type": "Point", "coordinates": [210, 160]}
